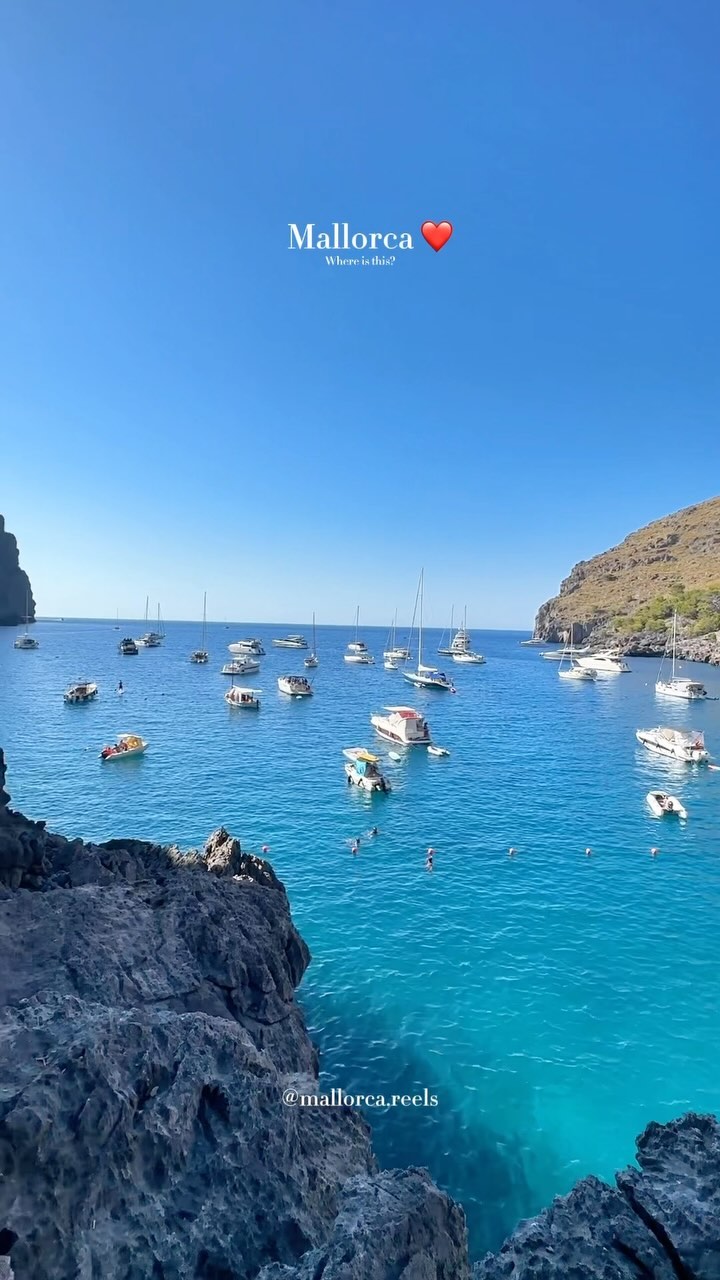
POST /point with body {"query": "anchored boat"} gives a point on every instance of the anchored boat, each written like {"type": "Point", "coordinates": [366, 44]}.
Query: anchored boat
{"type": "Point", "coordinates": [246, 666]}
{"type": "Point", "coordinates": [403, 725]}
{"type": "Point", "coordinates": [677, 744]}
{"type": "Point", "coordinates": [295, 686]}
{"type": "Point", "coordinates": [83, 691]}
{"type": "Point", "coordinates": [201, 656]}
{"type": "Point", "coordinates": [243, 698]}
{"type": "Point", "coordinates": [678, 686]}
{"type": "Point", "coordinates": [362, 770]}
{"type": "Point", "coordinates": [127, 746]}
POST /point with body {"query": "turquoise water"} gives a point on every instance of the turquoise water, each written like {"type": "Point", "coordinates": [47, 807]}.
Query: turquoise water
{"type": "Point", "coordinates": [554, 1002]}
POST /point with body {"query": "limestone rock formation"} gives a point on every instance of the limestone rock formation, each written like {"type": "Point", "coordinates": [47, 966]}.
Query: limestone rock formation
{"type": "Point", "coordinates": [680, 551]}
{"type": "Point", "coordinates": [15, 592]}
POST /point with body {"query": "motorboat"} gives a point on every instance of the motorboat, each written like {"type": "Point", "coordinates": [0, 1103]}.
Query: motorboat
{"type": "Point", "coordinates": [663, 804]}
{"type": "Point", "coordinates": [291, 642]}
{"type": "Point", "coordinates": [395, 652]}
{"type": "Point", "coordinates": [26, 641]}
{"type": "Point", "coordinates": [678, 686]}
{"type": "Point", "coordinates": [312, 659]}
{"type": "Point", "coordinates": [437, 751]}
{"type": "Point", "coordinates": [574, 671]}
{"type": "Point", "coordinates": [403, 725]}
{"type": "Point", "coordinates": [557, 655]}
{"type": "Point", "coordinates": [357, 651]}
{"type": "Point", "coordinates": [246, 666]}
{"type": "Point", "coordinates": [251, 645]}
{"type": "Point", "coordinates": [607, 662]}
{"type": "Point", "coordinates": [83, 691]}
{"type": "Point", "coordinates": [128, 646]}
{"type": "Point", "coordinates": [390, 664]}
{"type": "Point", "coordinates": [469, 657]}
{"type": "Point", "coordinates": [295, 686]}
{"type": "Point", "coordinates": [424, 676]}
{"type": "Point", "coordinates": [127, 746]}
{"type": "Point", "coordinates": [201, 656]}
{"type": "Point", "coordinates": [677, 744]}
{"type": "Point", "coordinates": [533, 643]}
{"type": "Point", "coordinates": [362, 770]}
{"type": "Point", "coordinates": [243, 698]}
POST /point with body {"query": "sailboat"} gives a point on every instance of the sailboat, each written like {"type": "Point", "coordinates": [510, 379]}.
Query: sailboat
{"type": "Point", "coordinates": [357, 650]}
{"type": "Point", "coordinates": [678, 686]}
{"type": "Point", "coordinates": [117, 619]}
{"type": "Point", "coordinates": [201, 655]}
{"type": "Point", "coordinates": [460, 648]}
{"type": "Point", "coordinates": [312, 659]}
{"type": "Point", "coordinates": [426, 677]}
{"type": "Point", "coordinates": [151, 639]}
{"type": "Point", "coordinates": [444, 649]}
{"type": "Point", "coordinates": [573, 671]}
{"type": "Point", "coordinates": [395, 652]}
{"type": "Point", "coordinates": [26, 641]}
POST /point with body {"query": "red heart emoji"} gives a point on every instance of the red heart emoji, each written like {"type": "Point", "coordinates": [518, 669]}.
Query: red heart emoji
{"type": "Point", "coordinates": [437, 233]}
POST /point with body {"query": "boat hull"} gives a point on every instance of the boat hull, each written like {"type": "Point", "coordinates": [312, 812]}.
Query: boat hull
{"type": "Point", "coordinates": [421, 681]}
{"type": "Point", "coordinates": [687, 693]}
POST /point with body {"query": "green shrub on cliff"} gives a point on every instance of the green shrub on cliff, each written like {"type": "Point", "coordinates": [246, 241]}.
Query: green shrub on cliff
{"type": "Point", "coordinates": [695, 605]}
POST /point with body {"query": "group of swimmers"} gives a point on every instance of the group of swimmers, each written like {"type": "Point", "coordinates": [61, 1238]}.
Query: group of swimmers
{"type": "Point", "coordinates": [375, 831]}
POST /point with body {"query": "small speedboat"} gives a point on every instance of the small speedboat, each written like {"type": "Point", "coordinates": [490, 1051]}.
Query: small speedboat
{"type": "Point", "coordinates": [127, 746]}
{"type": "Point", "coordinates": [663, 804]}
{"type": "Point", "coordinates": [295, 686]}
{"type": "Point", "coordinates": [679, 744]}
{"type": "Point", "coordinates": [362, 770]}
{"type": "Point", "coordinates": [128, 646]}
{"type": "Point", "coordinates": [243, 698]}
{"type": "Point", "coordinates": [83, 691]}
{"type": "Point", "coordinates": [437, 751]}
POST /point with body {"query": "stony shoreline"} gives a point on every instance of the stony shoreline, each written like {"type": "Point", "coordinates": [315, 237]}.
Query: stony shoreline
{"type": "Point", "coordinates": [148, 1028]}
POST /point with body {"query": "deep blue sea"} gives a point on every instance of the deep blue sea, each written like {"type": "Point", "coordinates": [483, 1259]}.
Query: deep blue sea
{"type": "Point", "coordinates": [554, 1002]}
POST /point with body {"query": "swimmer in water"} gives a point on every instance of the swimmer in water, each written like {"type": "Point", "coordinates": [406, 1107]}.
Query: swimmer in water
{"type": "Point", "coordinates": [588, 852]}
{"type": "Point", "coordinates": [512, 851]}
{"type": "Point", "coordinates": [373, 831]}
{"type": "Point", "coordinates": [429, 860]}
{"type": "Point", "coordinates": [355, 848]}
{"type": "Point", "coordinates": [120, 687]}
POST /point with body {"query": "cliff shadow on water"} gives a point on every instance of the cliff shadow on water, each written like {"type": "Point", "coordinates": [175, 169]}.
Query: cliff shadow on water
{"type": "Point", "coordinates": [496, 1174]}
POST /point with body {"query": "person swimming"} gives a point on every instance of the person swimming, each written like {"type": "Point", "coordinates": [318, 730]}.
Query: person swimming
{"type": "Point", "coordinates": [374, 831]}
{"type": "Point", "coordinates": [355, 848]}
{"type": "Point", "coordinates": [429, 859]}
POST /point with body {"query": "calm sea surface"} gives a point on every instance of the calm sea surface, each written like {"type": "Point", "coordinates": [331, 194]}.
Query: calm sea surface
{"type": "Point", "coordinates": [554, 1002]}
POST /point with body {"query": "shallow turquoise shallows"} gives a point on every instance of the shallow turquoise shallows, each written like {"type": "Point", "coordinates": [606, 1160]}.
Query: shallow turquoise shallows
{"type": "Point", "coordinates": [555, 1002]}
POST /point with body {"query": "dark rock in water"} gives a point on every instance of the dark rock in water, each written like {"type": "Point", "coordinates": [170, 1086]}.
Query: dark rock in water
{"type": "Point", "coordinates": [395, 1224]}
{"type": "Point", "coordinates": [662, 1223]}
{"type": "Point", "coordinates": [15, 593]}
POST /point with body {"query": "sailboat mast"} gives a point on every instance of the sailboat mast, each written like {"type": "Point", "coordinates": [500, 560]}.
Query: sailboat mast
{"type": "Point", "coordinates": [422, 575]}
{"type": "Point", "coordinates": [204, 618]}
{"type": "Point", "coordinates": [674, 642]}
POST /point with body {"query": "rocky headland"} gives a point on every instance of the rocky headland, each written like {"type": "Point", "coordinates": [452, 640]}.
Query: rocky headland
{"type": "Point", "coordinates": [626, 596]}
{"type": "Point", "coordinates": [15, 592]}
{"type": "Point", "coordinates": [148, 1030]}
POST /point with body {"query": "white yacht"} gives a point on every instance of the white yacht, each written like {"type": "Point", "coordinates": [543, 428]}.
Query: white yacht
{"type": "Point", "coordinates": [312, 659]}
{"type": "Point", "coordinates": [403, 725]}
{"type": "Point", "coordinates": [83, 691]}
{"type": "Point", "coordinates": [243, 698]}
{"type": "Point", "coordinates": [573, 671]}
{"type": "Point", "coordinates": [357, 650]}
{"type": "Point", "coordinates": [362, 770]}
{"type": "Point", "coordinates": [607, 662]}
{"type": "Point", "coordinates": [531, 643]}
{"type": "Point", "coordinates": [247, 646]}
{"type": "Point", "coordinates": [201, 656]}
{"type": "Point", "coordinates": [678, 744]}
{"type": "Point", "coordinates": [463, 652]}
{"type": "Point", "coordinates": [26, 641]}
{"type": "Point", "coordinates": [678, 686]}
{"type": "Point", "coordinates": [295, 686]}
{"type": "Point", "coordinates": [557, 655]}
{"type": "Point", "coordinates": [425, 677]}
{"type": "Point", "coordinates": [395, 652]}
{"type": "Point", "coordinates": [291, 642]}
{"type": "Point", "coordinates": [246, 666]}
{"type": "Point", "coordinates": [460, 642]}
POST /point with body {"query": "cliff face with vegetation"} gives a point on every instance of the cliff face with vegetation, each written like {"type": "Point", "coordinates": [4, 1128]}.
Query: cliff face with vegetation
{"type": "Point", "coordinates": [15, 591]}
{"type": "Point", "coordinates": [628, 595]}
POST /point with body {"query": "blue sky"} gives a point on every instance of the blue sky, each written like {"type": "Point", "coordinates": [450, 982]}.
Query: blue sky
{"type": "Point", "coordinates": [186, 404]}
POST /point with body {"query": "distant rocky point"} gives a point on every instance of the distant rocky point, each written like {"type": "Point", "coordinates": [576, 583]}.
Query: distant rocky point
{"type": "Point", "coordinates": [627, 596]}
{"type": "Point", "coordinates": [16, 598]}
{"type": "Point", "coordinates": [148, 1029]}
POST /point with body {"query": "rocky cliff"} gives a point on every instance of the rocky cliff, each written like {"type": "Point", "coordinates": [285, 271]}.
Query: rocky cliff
{"type": "Point", "coordinates": [148, 1029]}
{"type": "Point", "coordinates": [614, 597]}
{"type": "Point", "coordinates": [15, 592]}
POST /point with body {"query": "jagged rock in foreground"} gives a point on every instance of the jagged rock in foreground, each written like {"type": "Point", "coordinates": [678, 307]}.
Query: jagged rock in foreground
{"type": "Point", "coordinates": [148, 1029]}
{"type": "Point", "coordinates": [661, 1223]}
{"type": "Point", "coordinates": [15, 592]}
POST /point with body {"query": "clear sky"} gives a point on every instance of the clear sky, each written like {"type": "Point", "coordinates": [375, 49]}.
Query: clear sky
{"type": "Point", "coordinates": [186, 404]}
